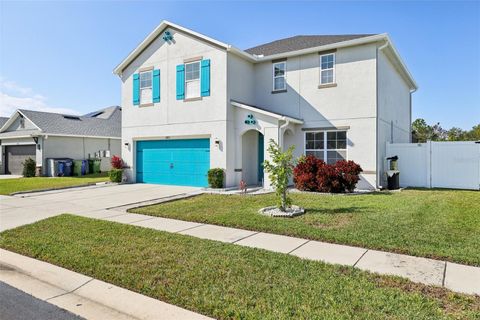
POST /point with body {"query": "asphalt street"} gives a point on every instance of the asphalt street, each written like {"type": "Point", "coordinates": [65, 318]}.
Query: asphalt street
{"type": "Point", "coordinates": [18, 305]}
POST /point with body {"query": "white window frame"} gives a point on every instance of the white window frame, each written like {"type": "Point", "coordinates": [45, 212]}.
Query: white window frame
{"type": "Point", "coordinates": [325, 141]}
{"type": "Point", "coordinates": [284, 76]}
{"type": "Point", "coordinates": [192, 80]}
{"type": "Point", "coordinates": [146, 87]}
{"type": "Point", "coordinates": [326, 69]}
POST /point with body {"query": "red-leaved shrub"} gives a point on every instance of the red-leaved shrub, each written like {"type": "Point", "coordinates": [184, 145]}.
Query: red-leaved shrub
{"type": "Point", "coordinates": [348, 172]}
{"type": "Point", "coordinates": [305, 173]}
{"type": "Point", "coordinates": [313, 174]}
{"type": "Point", "coordinates": [117, 162]}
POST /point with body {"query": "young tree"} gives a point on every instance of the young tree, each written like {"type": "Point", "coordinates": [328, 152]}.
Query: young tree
{"type": "Point", "coordinates": [279, 171]}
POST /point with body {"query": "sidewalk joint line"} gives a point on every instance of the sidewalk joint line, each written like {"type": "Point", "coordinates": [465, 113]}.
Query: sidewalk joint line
{"type": "Point", "coordinates": [71, 291]}
{"type": "Point", "coordinates": [444, 274]}
{"type": "Point", "coordinates": [189, 228]}
{"type": "Point", "coordinates": [299, 246]}
{"type": "Point", "coordinates": [141, 220]}
{"type": "Point", "coordinates": [354, 265]}
{"type": "Point", "coordinates": [115, 215]}
{"type": "Point", "coordinates": [250, 235]}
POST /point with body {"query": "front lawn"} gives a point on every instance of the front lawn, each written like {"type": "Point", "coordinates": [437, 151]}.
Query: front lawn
{"type": "Point", "coordinates": [8, 186]}
{"type": "Point", "coordinates": [226, 281]}
{"type": "Point", "coordinates": [442, 224]}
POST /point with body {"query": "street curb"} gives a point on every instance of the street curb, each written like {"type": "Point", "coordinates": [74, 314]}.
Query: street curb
{"type": "Point", "coordinates": [57, 285]}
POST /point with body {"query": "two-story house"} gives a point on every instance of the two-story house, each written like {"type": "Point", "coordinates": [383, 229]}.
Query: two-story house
{"type": "Point", "coordinates": [191, 103]}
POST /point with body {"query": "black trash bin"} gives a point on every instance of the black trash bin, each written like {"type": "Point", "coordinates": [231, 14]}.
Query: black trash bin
{"type": "Point", "coordinates": [393, 179]}
{"type": "Point", "coordinates": [393, 175]}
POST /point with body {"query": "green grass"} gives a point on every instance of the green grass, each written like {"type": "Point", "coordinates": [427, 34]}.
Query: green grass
{"type": "Point", "coordinates": [441, 224]}
{"type": "Point", "coordinates": [226, 281]}
{"type": "Point", "coordinates": [8, 186]}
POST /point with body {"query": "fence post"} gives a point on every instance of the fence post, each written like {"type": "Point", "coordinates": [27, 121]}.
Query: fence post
{"type": "Point", "coordinates": [428, 150]}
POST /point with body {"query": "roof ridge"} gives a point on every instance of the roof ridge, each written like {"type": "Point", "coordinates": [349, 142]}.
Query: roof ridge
{"type": "Point", "coordinates": [297, 42]}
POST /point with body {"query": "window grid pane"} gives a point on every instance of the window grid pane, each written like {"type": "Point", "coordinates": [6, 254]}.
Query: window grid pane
{"type": "Point", "coordinates": [192, 71]}
{"type": "Point", "coordinates": [314, 144]}
{"type": "Point", "coordinates": [336, 145]}
{"type": "Point", "coordinates": [145, 80]}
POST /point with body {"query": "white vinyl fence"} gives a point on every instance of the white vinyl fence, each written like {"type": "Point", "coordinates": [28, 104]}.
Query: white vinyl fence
{"type": "Point", "coordinates": [438, 164]}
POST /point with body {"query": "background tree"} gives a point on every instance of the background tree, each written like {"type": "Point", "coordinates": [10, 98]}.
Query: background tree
{"type": "Point", "coordinates": [421, 132]}
{"type": "Point", "coordinates": [279, 171]}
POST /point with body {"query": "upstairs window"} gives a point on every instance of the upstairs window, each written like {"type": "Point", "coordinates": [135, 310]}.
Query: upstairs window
{"type": "Point", "coordinates": [146, 87]}
{"type": "Point", "coordinates": [330, 146]}
{"type": "Point", "coordinates": [327, 68]}
{"type": "Point", "coordinates": [192, 80]}
{"type": "Point", "coordinates": [279, 72]}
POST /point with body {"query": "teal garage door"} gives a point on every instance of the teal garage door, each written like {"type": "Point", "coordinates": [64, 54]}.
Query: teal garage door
{"type": "Point", "coordinates": [174, 162]}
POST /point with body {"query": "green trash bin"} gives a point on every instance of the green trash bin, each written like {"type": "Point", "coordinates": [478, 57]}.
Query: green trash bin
{"type": "Point", "coordinates": [94, 165]}
{"type": "Point", "coordinates": [77, 167]}
{"type": "Point", "coordinates": [90, 166]}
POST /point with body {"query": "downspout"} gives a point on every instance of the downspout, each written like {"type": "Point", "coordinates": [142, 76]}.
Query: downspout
{"type": "Point", "coordinates": [282, 127]}
{"type": "Point", "coordinates": [378, 175]}
{"type": "Point", "coordinates": [410, 127]}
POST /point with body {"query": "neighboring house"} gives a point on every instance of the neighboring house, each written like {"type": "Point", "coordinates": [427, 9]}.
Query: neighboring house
{"type": "Point", "coordinates": [43, 135]}
{"type": "Point", "coordinates": [191, 103]}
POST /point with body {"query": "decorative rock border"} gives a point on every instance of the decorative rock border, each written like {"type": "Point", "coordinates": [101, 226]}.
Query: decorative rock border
{"type": "Point", "coordinates": [274, 211]}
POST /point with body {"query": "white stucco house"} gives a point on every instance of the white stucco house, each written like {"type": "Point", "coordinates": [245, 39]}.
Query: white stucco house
{"type": "Point", "coordinates": [42, 135]}
{"type": "Point", "coordinates": [191, 103]}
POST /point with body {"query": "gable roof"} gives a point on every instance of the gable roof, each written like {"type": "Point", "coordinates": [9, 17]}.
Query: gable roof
{"type": "Point", "coordinates": [265, 111]}
{"type": "Point", "coordinates": [102, 123]}
{"type": "Point", "coordinates": [293, 46]}
{"type": "Point", "coordinates": [301, 42]}
{"type": "Point", "coordinates": [3, 120]}
{"type": "Point", "coordinates": [154, 34]}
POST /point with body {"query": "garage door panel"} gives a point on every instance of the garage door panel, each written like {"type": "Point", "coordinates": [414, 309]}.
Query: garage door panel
{"type": "Point", "coordinates": [174, 162]}
{"type": "Point", "coordinates": [16, 155]}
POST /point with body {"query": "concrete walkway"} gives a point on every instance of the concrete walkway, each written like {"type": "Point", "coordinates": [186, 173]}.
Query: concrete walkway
{"type": "Point", "coordinates": [82, 295]}
{"type": "Point", "coordinates": [456, 277]}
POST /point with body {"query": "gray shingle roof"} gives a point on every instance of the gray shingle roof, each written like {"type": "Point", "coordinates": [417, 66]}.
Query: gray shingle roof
{"type": "Point", "coordinates": [107, 122]}
{"type": "Point", "coordinates": [3, 120]}
{"type": "Point", "coordinates": [301, 42]}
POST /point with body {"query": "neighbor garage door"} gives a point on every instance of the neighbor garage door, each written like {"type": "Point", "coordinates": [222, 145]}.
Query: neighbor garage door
{"type": "Point", "coordinates": [174, 162]}
{"type": "Point", "coordinates": [15, 156]}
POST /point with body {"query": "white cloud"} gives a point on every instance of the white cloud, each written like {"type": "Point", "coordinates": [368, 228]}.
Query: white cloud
{"type": "Point", "coordinates": [14, 96]}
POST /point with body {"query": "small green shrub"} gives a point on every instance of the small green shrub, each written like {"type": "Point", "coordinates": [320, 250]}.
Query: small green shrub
{"type": "Point", "coordinates": [215, 177]}
{"type": "Point", "coordinates": [115, 175]}
{"type": "Point", "coordinates": [29, 166]}
{"type": "Point", "coordinates": [279, 171]}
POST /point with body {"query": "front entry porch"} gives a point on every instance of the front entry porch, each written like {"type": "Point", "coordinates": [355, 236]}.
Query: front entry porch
{"type": "Point", "coordinates": [254, 128]}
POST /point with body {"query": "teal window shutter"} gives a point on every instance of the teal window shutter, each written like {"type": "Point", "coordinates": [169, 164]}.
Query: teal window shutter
{"type": "Point", "coordinates": [156, 86]}
{"type": "Point", "coordinates": [205, 78]}
{"type": "Point", "coordinates": [180, 82]}
{"type": "Point", "coordinates": [136, 89]}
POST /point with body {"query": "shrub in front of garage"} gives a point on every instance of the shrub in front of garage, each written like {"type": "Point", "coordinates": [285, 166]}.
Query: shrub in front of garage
{"type": "Point", "coordinates": [29, 168]}
{"type": "Point", "coordinates": [216, 177]}
{"type": "Point", "coordinates": [116, 172]}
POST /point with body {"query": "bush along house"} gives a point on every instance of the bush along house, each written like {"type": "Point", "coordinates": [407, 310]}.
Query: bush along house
{"type": "Point", "coordinates": [191, 103]}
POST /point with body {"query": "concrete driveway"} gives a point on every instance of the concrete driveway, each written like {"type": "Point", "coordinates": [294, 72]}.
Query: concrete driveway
{"type": "Point", "coordinates": [28, 208]}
